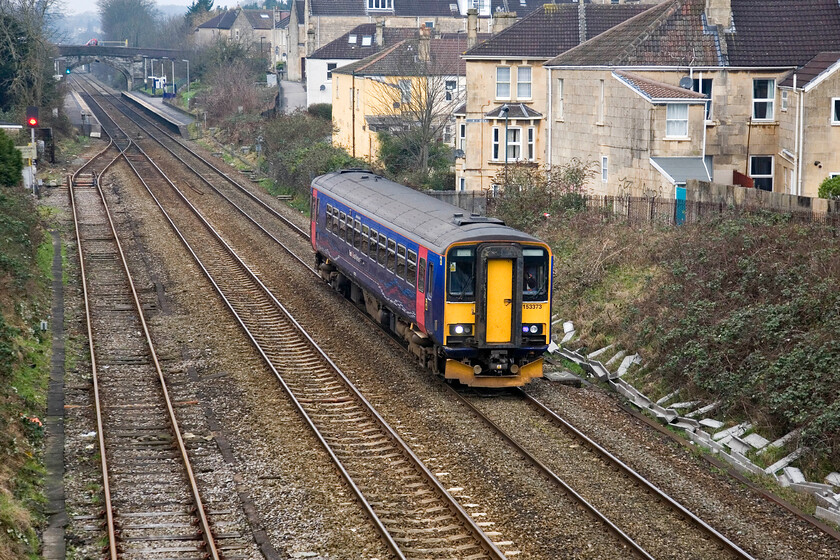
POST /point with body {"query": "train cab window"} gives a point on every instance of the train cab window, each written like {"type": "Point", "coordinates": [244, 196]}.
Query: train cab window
{"type": "Point", "coordinates": [383, 242]}
{"type": "Point", "coordinates": [401, 261]}
{"type": "Point", "coordinates": [460, 277]}
{"type": "Point", "coordinates": [392, 255]}
{"type": "Point", "coordinates": [421, 278]}
{"type": "Point", "coordinates": [357, 234]}
{"type": "Point", "coordinates": [411, 271]}
{"type": "Point", "coordinates": [365, 239]}
{"type": "Point", "coordinates": [535, 274]}
{"type": "Point", "coordinates": [373, 244]}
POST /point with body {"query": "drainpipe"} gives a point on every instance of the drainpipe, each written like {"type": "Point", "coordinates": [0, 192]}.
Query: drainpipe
{"type": "Point", "coordinates": [550, 122]}
{"type": "Point", "coordinates": [801, 119]}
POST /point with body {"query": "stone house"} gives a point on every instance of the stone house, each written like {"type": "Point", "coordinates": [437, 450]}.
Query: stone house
{"type": "Point", "coordinates": [387, 90]}
{"type": "Point", "coordinates": [261, 30]}
{"type": "Point", "coordinates": [504, 118]}
{"type": "Point", "coordinates": [740, 56]}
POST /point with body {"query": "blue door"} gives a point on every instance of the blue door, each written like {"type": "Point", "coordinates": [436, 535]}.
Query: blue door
{"type": "Point", "coordinates": [679, 206]}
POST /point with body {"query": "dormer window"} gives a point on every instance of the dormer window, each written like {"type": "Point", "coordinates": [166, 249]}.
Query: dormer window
{"type": "Point", "coordinates": [264, 16]}
{"type": "Point", "coordinates": [380, 4]}
{"type": "Point", "coordinates": [351, 39]}
{"type": "Point", "coordinates": [367, 40]}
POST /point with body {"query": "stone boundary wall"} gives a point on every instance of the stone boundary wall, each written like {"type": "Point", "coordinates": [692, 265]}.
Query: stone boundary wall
{"type": "Point", "coordinates": [742, 197]}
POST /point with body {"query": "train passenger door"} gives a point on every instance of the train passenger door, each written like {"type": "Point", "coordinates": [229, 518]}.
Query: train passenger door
{"type": "Point", "coordinates": [420, 302]}
{"type": "Point", "coordinates": [498, 302]}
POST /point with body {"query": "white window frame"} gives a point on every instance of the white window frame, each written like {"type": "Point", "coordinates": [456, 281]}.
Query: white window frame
{"type": "Point", "coordinates": [351, 39]}
{"type": "Point", "coordinates": [763, 176]}
{"type": "Point", "coordinates": [697, 85]}
{"type": "Point", "coordinates": [835, 111]}
{"type": "Point", "coordinates": [329, 70]}
{"type": "Point", "coordinates": [495, 139]}
{"type": "Point", "coordinates": [530, 143]}
{"type": "Point", "coordinates": [367, 40]}
{"type": "Point", "coordinates": [560, 100]}
{"type": "Point", "coordinates": [462, 184]}
{"type": "Point", "coordinates": [499, 83]}
{"type": "Point", "coordinates": [783, 106]}
{"type": "Point", "coordinates": [462, 136]}
{"type": "Point", "coordinates": [676, 125]}
{"type": "Point", "coordinates": [514, 146]}
{"type": "Point", "coordinates": [450, 91]}
{"type": "Point", "coordinates": [380, 4]}
{"type": "Point", "coordinates": [405, 91]}
{"type": "Point", "coordinates": [522, 81]}
{"type": "Point", "coordinates": [602, 100]}
{"type": "Point", "coordinates": [605, 169]}
{"type": "Point", "coordinates": [770, 100]}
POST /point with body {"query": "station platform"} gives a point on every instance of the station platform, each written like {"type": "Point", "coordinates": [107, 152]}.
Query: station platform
{"type": "Point", "coordinates": [170, 117]}
{"type": "Point", "coordinates": [81, 116]}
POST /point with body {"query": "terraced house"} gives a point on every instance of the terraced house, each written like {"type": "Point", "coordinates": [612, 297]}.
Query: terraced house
{"type": "Point", "coordinates": [503, 121]}
{"type": "Point", "coordinates": [741, 92]}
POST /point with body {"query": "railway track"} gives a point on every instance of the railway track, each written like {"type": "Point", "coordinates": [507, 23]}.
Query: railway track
{"type": "Point", "coordinates": [152, 502]}
{"type": "Point", "coordinates": [589, 472]}
{"type": "Point", "coordinates": [414, 513]}
{"type": "Point", "coordinates": [600, 481]}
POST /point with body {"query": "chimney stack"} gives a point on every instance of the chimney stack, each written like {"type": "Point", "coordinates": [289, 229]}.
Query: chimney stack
{"type": "Point", "coordinates": [424, 48]}
{"type": "Point", "coordinates": [719, 12]}
{"type": "Point", "coordinates": [581, 22]}
{"type": "Point", "coordinates": [380, 32]}
{"type": "Point", "coordinates": [503, 20]}
{"type": "Point", "coordinates": [472, 27]}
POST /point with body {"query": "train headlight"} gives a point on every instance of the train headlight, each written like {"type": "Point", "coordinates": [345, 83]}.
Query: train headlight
{"type": "Point", "coordinates": [461, 329]}
{"type": "Point", "coordinates": [532, 329]}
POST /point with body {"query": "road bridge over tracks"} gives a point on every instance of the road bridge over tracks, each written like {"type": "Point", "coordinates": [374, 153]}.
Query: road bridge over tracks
{"type": "Point", "coordinates": [129, 61]}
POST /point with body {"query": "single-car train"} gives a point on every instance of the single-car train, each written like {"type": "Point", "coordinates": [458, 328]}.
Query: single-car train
{"type": "Point", "coordinates": [470, 296]}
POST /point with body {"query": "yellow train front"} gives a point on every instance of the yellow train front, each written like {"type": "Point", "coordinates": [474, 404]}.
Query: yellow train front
{"type": "Point", "coordinates": [470, 296]}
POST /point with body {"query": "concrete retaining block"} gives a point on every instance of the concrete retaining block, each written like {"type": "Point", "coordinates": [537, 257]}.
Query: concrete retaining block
{"type": "Point", "coordinates": [782, 463]}
{"type": "Point", "coordinates": [598, 352]}
{"type": "Point", "coordinates": [704, 410]}
{"type": "Point", "coordinates": [828, 514]}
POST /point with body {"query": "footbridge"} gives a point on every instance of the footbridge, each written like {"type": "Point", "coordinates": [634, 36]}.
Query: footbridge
{"type": "Point", "coordinates": [130, 61]}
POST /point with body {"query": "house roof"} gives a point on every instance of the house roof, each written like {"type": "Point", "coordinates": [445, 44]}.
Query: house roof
{"type": "Point", "coordinates": [553, 29]}
{"type": "Point", "coordinates": [222, 21]}
{"type": "Point", "coordinates": [679, 169]}
{"type": "Point", "coordinates": [515, 111]}
{"type": "Point", "coordinates": [461, 110]}
{"type": "Point", "coordinates": [401, 59]}
{"type": "Point", "coordinates": [764, 33]}
{"type": "Point", "coordinates": [343, 48]}
{"type": "Point", "coordinates": [260, 19]}
{"type": "Point", "coordinates": [656, 91]}
{"type": "Point", "coordinates": [819, 65]}
{"type": "Point", "coordinates": [419, 8]}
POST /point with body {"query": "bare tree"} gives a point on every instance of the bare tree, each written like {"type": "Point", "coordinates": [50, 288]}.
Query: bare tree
{"type": "Point", "coordinates": [25, 49]}
{"type": "Point", "coordinates": [416, 92]}
{"type": "Point", "coordinates": [135, 21]}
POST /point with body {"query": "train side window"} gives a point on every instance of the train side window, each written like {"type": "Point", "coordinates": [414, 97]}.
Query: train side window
{"type": "Point", "coordinates": [421, 279]}
{"type": "Point", "coordinates": [357, 234]}
{"type": "Point", "coordinates": [383, 241]}
{"type": "Point", "coordinates": [392, 255]}
{"type": "Point", "coordinates": [430, 280]}
{"type": "Point", "coordinates": [411, 272]}
{"type": "Point", "coordinates": [365, 239]}
{"type": "Point", "coordinates": [373, 244]}
{"type": "Point", "coordinates": [329, 216]}
{"type": "Point", "coordinates": [335, 220]}
{"type": "Point", "coordinates": [342, 225]}
{"type": "Point", "coordinates": [401, 261]}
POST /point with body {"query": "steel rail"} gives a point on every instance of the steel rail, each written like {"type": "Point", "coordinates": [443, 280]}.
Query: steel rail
{"type": "Point", "coordinates": [542, 408]}
{"type": "Point", "coordinates": [297, 230]}
{"type": "Point", "coordinates": [203, 520]}
{"type": "Point", "coordinates": [456, 508]}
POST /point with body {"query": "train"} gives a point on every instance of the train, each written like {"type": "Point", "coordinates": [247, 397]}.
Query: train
{"type": "Point", "coordinates": [469, 296]}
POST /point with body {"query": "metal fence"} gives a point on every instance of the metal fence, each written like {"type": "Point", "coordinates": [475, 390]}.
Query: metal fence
{"type": "Point", "coordinates": [662, 211]}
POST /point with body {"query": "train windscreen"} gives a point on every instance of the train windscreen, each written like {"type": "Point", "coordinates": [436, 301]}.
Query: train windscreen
{"type": "Point", "coordinates": [535, 274]}
{"type": "Point", "coordinates": [460, 275]}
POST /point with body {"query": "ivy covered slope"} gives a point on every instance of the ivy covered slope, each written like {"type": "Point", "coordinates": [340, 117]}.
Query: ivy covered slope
{"type": "Point", "coordinates": [742, 310]}
{"type": "Point", "coordinates": [25, 260]}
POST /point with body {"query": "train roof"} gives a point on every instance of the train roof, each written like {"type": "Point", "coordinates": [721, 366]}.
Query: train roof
{"type": "Point", "coordinates": [436, 224]}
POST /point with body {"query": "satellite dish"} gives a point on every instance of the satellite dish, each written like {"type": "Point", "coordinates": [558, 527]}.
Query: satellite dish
{"type": "Point", "coordinates": [686, 83]}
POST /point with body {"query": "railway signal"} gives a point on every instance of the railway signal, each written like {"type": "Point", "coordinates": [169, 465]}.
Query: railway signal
{"type": "Point", "coordinates": [32, 116]}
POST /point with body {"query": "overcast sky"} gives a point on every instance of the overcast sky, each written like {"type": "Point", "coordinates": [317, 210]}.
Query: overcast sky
{"type": "Point", "coordinates": [81, 6]}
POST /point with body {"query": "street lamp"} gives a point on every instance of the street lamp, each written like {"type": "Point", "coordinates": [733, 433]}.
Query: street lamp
{"type": "Point", "coordinates": [506, 110]}
{"type": "Point", "coordinates": [188, 72]}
